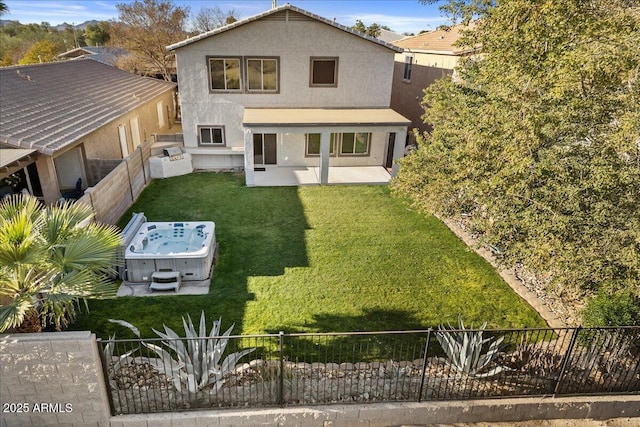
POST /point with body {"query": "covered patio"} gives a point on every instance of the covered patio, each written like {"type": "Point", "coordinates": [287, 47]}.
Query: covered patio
{"type": "Point", "coordinates": [322, 146]}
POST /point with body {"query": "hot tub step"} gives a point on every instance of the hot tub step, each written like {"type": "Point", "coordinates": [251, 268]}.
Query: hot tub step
{"type": "Point", "coordinates": [165, 281]}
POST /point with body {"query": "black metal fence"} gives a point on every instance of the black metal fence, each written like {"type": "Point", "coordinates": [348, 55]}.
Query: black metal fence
{"type": "Point", "coordinates": [153, 375]}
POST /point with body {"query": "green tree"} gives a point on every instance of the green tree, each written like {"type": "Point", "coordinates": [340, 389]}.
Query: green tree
{"type": "Point", "coordinates": [372, 30]}
{"type": "Point", "coordinates": [49, 261]}
{"type": "Point", "coordinates": [98, 34]}
{"type": "Point", "coordinates": [146, 28]}
{"type": "Point", "coordinates": [537, 141]}
{"type": "Point", "coordinates": [42, 51]}
{"type": "Point", "coordinates": [3, 8]}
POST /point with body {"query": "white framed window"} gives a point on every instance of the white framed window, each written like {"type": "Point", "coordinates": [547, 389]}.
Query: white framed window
{"type": "Point", "coordinates": [323, 72]}
{"type": "Point", "coordinates": [224, 74]}
{"type": "Point", "coordinates": [124, 144]}
{"type": "Point", "coordinates": [135, 132]}
{"type": "Point", "coordinates": [160, 109]}
{"type": "Point", "coordinates": [312, 145]}
{"type": "Point", "coordinates": [353, 143]}
{"type": "Point", "coordinates": [211, 136]}
{"type": "Point", "coordinates": [262, 74]}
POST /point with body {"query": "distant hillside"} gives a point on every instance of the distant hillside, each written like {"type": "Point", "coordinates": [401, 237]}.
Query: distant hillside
{"type": "Point", "coordinates": [82, 26]}
{"type": "Point", "coordinates": [60, 27]}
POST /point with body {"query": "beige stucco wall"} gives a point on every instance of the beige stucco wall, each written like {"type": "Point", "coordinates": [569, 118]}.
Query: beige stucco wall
{"type": "Point", "coordinates": [104, 143]}
{"type": "Point", "coordinates": [365, 73]}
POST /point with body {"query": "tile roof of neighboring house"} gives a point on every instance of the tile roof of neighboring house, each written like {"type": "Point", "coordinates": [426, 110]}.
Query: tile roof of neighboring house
{"type": "Point", "coordinates": [438, 41]}
{"type": "Point", "coordinates": [106, 55]}
{"type": "Point", "coordinates": [389, 36]}
{"type": "Point", "coordinates": [50, 106]}
{"type": "Point", "coordinates": [268, 13]}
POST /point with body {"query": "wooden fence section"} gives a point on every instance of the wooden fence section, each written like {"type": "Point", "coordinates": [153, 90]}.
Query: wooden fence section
{"type": "Point", "coordinates": [114, 194]}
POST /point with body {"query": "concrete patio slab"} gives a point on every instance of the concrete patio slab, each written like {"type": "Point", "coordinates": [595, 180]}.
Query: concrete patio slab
{"type": "Point", "coordinates": [291, 176]}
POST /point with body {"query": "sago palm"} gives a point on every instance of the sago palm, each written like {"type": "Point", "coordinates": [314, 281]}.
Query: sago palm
{"type": "Point", "coordinates": [51, 258]}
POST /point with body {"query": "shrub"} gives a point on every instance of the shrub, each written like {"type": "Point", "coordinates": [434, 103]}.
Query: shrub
{"type": "Point", "coordinates": [619, 309]}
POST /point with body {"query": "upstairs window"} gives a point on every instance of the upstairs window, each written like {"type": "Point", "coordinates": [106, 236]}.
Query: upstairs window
{"type": "Point", "coordinates": [262, 74]}
{"type": "Point", "coordinates": [324, 72]}
{"type": "Point", "coordinates": [224, 74]}
{"type": "Point", "coordinates": [408, 62]}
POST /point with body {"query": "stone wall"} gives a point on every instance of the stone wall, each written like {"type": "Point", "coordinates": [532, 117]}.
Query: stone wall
{"type": "Point", "coordinates": [51, 379]}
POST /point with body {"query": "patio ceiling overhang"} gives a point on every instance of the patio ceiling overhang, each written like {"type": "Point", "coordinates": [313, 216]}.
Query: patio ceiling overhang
{"type": "Point", "coordinates": [318, 117]}
{"type": "Point", "coordinates": [13, 159]}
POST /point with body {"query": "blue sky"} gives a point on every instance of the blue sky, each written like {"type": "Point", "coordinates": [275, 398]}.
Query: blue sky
{"type": "Point", "coordinates": [400, 15]}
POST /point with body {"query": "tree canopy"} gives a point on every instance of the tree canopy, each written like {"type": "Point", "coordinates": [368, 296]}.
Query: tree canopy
{"type": "Point", "coordinates": [146, 28]}
{"type": "Point", "coordinates": [210, 18]}
{"type": "Point", "coordinates": [536, 141]}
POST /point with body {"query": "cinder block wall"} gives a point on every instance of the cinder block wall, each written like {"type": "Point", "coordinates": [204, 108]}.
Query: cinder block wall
{"type": "Point", "coordinates": [52, 379]}
{"type": "Point", "coordinates": [56, 379]}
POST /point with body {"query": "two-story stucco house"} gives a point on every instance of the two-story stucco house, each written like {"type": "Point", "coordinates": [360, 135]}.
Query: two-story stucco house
{"type": "Point", "coordinates": [288, 92]}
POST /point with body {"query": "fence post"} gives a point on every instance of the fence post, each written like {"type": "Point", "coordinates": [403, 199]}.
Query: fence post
{"type": "Point", "coordinates": [144, 173]}
{"type": "Point", "coordinates": [565, 360]}
{"type": "Point", "coordinates": [105, 374]}
{"type": "Point", "coordinates": [424, 365]}
{"type": "Point", "coordinates": [126, 162]}
{"type": "Point", "coordinates": [281, 379]}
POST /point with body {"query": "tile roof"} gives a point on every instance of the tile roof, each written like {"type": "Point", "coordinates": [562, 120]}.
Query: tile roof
{"type": "Point", "coordinates": [50, 106]}
{"type": "Point", "coordinates": [438, 41]}
{"type": "Point", "coordinates": [106, 55]}
{"type": "Point", "coordinates": [284, 7]}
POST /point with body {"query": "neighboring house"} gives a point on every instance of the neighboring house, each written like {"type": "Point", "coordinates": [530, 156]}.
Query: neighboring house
{"type": "Point", "coordinates": [426, 58]}
{"type": "Point", "coordinates": [288, 89]}
{"type": "Point", "coordinates": [57, 118]}
{"type": "Point", "coordinates": [103, 54]}
{"type": "Point", "coordinates": [389, 36]}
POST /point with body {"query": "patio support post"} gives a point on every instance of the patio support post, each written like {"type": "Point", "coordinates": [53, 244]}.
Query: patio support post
{"type": "Point", "coordinates": [249, 174]}
{"type": "Point", "coordinates": [398, 150]}
{"type": "Point", "coordinates": [325, 141]}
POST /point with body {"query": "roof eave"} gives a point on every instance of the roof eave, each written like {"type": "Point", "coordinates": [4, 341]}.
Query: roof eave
{"type": "Point", "coordinates": [275, 10]}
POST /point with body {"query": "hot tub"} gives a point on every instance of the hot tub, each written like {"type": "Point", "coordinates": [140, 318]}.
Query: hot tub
{"type": "Point", "coordinates": [186, 247]}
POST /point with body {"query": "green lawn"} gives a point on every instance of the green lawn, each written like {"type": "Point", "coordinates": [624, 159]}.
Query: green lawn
{"type": "Point", "coordinates": [317, 259]}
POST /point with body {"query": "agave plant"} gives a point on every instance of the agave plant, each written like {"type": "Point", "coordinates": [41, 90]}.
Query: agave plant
{"type": "Point", "coordinates": [465, 349]}
{"type": "Point", "coordinates": [197, 356]}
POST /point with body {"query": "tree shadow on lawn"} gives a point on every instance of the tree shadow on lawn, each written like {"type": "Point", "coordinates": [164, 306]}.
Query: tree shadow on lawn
{"type": "Point", "coordinates": [260, 231]}
{"type": "Point", "coordinates": [359, 346]}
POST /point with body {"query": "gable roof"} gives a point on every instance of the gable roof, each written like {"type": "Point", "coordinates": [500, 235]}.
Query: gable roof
{"type": "Point", "coordinates": [51, 106]}
{"type": "Point", "coordinates": [275, 11]}
{"type": "Point", "coordinates": [438, 41]}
